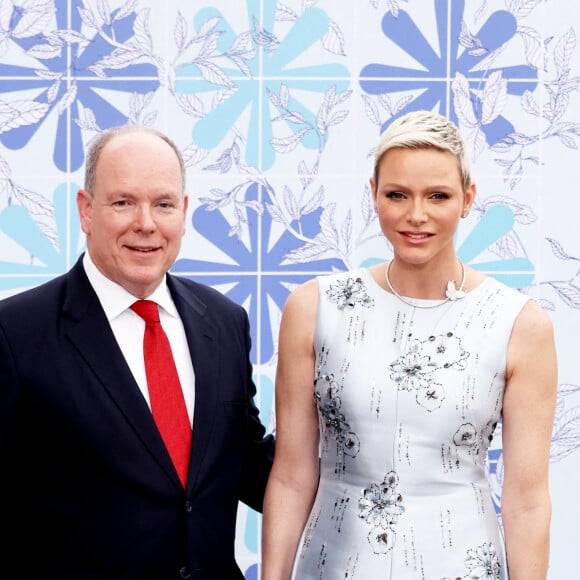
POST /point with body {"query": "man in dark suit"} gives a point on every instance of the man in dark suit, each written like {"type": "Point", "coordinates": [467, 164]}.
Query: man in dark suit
{"type": "Point", "coordinates": [87, 486]}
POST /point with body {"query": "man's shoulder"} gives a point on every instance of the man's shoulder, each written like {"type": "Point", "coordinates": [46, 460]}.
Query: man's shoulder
{"type": "Point", "coordinates": [45, 292]}
{"type": "Point", "coordinates": [37, 295]}
{"type": "Point", "coordinates": [206, 295]}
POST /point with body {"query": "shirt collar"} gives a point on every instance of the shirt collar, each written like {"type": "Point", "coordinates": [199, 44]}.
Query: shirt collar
{"type": "Point", "coordinates": [115, 299]}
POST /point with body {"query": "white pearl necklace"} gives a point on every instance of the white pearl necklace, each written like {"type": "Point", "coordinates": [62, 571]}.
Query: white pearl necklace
{"type": "Point", "coordinates": [452, 292]}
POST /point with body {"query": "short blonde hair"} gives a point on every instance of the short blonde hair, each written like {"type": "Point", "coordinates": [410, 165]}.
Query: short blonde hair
{"type": "Point", "coordinates": [423, 130]}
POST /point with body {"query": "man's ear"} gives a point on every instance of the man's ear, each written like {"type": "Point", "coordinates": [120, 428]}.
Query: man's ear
{"type": "Point", "coordinates": [85, 209]}
{"type": "Point", "coordinates": [185, 206]}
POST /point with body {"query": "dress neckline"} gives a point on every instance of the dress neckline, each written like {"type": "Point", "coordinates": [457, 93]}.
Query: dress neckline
{"type": "Point", "coordinates": [424, 301]}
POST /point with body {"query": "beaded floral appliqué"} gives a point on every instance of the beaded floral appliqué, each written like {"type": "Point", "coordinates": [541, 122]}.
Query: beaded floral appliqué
{"type": "Point", "coordinates": [326, 395]}
{"type": "Point", "coordinates": [482, 563]}
{"type": "Point", "coordinates": [415, 369]}
{"type": "Point", "coordinates": [348, 293]}
{"type": "Point", "coordinates": [380, 506]}
{"type": "Point", "coordinates": [467, 436]}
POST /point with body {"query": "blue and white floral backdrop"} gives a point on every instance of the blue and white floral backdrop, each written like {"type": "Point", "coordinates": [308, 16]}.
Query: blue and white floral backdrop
{"type": "Point", "coordinates": [277, 106]}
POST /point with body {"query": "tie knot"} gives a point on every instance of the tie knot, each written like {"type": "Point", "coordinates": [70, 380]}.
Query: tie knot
{"type": "Point", "coordinates": [147, 310]}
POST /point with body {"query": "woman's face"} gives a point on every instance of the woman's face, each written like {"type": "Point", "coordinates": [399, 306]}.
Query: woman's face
{"type": "Point", "coordinates": [419, 200]}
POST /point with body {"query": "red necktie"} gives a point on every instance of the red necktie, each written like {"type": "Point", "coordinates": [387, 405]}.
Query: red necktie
{"type": "Point", "coordinates": [165, 393]}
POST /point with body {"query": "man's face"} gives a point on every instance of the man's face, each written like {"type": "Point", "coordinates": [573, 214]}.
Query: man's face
{"type": "Point", "coordinates": [134, 219]}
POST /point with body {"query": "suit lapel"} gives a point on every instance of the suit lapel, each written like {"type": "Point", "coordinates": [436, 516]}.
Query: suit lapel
{"type": "Point", "coordinates": [202, 340]}
{"type": "Point", "coordinates": [90, 333]}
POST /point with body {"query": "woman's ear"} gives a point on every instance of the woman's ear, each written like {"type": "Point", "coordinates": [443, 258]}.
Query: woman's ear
{"type": "Point", "coordinates": [468, 200]}
{"type": "Point", "coordinates": [373, 193]}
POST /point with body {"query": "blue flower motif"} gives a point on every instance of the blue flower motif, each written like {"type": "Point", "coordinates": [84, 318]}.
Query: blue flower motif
{"type": "Point", "coordinates": [258, 274]}
{"type": "Point", "coordinates": [55, 257]}
{"type": "Point", "coordinates": [59, 83]}
{"type": "Point", "coordinates": [268, 62]}
{"type": "Point", "coordinates": [252, 573]}
{"type": "Point", "coordinates": [494, 224]}
{"type": "Point", "coordinates": [439, 65]}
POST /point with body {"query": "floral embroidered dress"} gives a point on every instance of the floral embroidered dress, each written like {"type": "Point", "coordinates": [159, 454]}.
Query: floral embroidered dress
{"type": "Point", "coordinates": [408, 400]}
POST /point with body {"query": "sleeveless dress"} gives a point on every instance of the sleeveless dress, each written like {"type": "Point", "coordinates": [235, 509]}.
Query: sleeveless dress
{"type": "Point", "coordinates": [408, 399]}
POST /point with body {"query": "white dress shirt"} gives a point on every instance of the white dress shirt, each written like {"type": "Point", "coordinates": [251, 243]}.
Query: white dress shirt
{"type": "Point", "coordinates": [128, 328]}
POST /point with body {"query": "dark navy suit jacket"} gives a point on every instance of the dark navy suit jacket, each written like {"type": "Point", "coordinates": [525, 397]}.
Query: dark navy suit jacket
{"type": "Point", "coordinates": [87, 488]}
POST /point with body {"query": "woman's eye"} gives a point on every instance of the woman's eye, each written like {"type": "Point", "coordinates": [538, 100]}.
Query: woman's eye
{"type": "Point", "coordinates": [439, 195]}
{"type": "Point", "coordinates": [394, 195]}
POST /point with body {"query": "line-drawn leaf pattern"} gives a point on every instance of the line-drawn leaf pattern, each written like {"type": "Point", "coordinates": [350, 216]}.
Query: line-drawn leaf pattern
{"type": "Point", "coordinates": [566, 434]}
{"type": "Point", "coordinates": [568, 292]}
{"type": "Point", "coordinates": [535, 54]}
{"type": "Point", "coordinates": [559, 251]}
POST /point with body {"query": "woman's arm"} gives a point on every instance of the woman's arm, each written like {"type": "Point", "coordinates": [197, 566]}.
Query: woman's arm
{"type": "Point", "coordinates": [294, 477]}
{"type": "Point", "coordinates": [528, 416]}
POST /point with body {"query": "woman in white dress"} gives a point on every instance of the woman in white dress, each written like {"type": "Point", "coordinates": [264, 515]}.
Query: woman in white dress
{"type": "Point", "coordinates": [390, 383]}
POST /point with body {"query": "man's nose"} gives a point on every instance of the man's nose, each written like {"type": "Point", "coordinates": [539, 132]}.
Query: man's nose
{"type": "Point", "coordinates": [144, 217]}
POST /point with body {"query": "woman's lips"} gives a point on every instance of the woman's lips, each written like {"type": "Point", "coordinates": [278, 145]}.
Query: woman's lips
{"type": "Point", "coordinates": [416, 236]}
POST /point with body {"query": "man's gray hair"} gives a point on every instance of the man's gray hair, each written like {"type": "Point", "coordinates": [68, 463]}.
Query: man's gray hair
{"type": "Point", "coordinates": [98, 144]}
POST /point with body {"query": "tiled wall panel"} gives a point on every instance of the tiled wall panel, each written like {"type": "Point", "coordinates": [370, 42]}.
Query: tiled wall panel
{"type": "Point", "coordinates": [277, 107]}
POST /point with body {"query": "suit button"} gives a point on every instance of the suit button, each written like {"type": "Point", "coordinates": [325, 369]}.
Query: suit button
{"type": "Point", "coordinates": [188, 507]}
{"type": "Point", "coordinates": [184, 572]}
